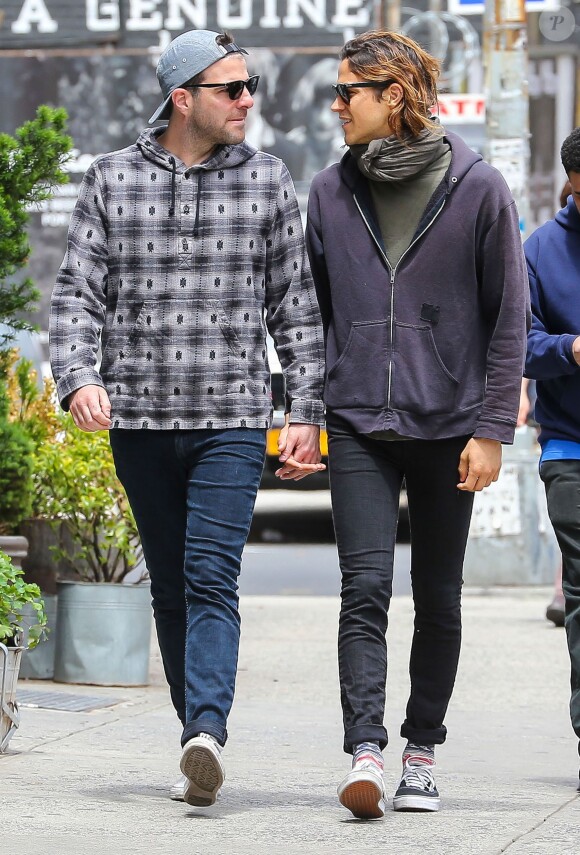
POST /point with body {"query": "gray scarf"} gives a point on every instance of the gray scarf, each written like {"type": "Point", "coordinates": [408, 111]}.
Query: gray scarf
{"type": "Point", "coordinates": [391, 159]}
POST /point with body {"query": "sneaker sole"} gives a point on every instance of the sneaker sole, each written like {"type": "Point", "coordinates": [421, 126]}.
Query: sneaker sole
{"type": "Point", "coordinates": [556, 616]}
{"type": "Point", "coordinates": [177, 796]}
{"type": "Point", "coordinates": [363, 799]}
{"type": "Point", "coordinates": [205, 777]}
{"type": "Point", "coordinates": [416, 803]}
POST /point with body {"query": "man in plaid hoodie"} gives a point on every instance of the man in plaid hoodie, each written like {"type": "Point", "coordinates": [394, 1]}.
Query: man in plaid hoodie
{"type": "Point", "coordinates": [183, 249]}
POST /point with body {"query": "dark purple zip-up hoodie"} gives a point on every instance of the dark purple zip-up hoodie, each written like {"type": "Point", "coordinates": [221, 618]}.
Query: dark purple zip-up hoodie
{"type": "Point", "coordinates": [435, 347]}
{"type": "Point", "coordinates": [553, 256]}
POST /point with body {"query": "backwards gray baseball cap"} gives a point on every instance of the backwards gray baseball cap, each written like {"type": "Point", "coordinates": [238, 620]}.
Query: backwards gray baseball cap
{"type": "Point", "coordinates": [187, 55]}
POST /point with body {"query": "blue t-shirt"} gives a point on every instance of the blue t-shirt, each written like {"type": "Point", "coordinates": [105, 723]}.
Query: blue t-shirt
{"type": "Point", "coordinates": [560, 449]}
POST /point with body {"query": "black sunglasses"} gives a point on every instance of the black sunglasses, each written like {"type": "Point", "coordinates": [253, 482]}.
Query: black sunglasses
{"type": "Point", "coordinates": [234, 87]}
{"type": "Point", "coordinates": [342, 89]}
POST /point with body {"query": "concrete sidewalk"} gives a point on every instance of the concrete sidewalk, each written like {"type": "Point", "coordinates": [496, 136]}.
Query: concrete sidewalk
{"type": "Point", "coordinates": [96, 782]}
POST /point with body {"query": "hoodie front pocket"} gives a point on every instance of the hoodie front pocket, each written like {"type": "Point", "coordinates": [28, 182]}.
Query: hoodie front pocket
{"type": "Point", "coordinates": [143, 321]}
{"type": "Point", "coordinates": [122, 336]}
{"type": "Point", "coordinates": [358, 378]}
{"type": "Point", "coordinates": [420, 381]}
{"type": "Point", "coordinates": [219, 316]}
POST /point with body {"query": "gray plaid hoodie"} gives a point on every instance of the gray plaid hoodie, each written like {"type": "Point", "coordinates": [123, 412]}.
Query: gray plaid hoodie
{"type": "Point", "coordinates": [176, 272]}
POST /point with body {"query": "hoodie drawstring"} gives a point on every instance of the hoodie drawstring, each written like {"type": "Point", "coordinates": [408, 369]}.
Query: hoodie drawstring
{"type": "Point", "coordinates": [173, 172]}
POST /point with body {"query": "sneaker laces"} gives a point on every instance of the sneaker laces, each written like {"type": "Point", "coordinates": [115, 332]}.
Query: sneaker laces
{"type": "Point", "coordinates": [418, 776]}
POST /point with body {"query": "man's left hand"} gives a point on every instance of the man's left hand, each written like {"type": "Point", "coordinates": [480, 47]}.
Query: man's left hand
{"type": "Point", "coordinates": [479, 464]}
{"type": "Point", "coordinates": [299, 447]}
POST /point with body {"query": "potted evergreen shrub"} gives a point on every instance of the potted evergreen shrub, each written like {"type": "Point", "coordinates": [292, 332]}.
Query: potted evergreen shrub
{"type": "Point", "coordinates": [103, 624]}
{"type": "Point", "coordinates": [17, 632]}
{"type": "Point", "coordinates": [31, 166]}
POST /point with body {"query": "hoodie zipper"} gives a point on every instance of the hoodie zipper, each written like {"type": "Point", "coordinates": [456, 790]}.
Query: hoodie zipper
{"type": "Point", "coordinates": [393, 270]}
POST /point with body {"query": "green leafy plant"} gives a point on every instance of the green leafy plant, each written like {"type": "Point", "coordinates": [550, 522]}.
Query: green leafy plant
{"type": "Point", "coordinates": [33, 409]}
{"type": "Point", "coordinates": [16, 449]}
{"type": "Point", "coordinates": [75, 482]}
{"type": "Point", "coordinates": [27, 418]}
{"type": "Point", "coordinates": [16, 598]}
{"type": "Point", "coordinates": [31, 166]}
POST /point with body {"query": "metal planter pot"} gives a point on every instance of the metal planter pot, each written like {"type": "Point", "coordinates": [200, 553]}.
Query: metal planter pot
{"type": "Point", "coordinates": [103, 634]}
{"type": "Point", "coordinates": [15, 546]}
{"type": "Point", "coordinates": [9, 715]}
{"type": "Point", "coordinates": [38, 663]}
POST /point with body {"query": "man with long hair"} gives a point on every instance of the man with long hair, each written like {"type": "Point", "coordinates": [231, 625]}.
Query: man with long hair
{"type": "Point", "coordinates": [417, 260]}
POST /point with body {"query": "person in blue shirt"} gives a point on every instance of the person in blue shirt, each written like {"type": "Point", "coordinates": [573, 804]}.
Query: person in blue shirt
{"type": "Point", "coordinates": [553, 360]}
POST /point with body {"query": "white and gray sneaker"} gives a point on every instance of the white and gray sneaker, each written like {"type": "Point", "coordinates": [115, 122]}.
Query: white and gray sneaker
{"type": "Point", "coordinates": [177, 791]}
{"type": "Point", "coordinates": [417, 790]}
{"type": "Point", "coordinates": [362, 791]}
{"type": "Point", "coordinates": [202, 765]}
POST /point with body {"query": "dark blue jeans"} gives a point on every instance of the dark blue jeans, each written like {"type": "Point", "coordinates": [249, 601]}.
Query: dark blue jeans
{"type": "Point", "coordinates": [366, 476]}
{"type": "Point", "coordinates": [192, 493]}
{"type": "Point", "coordinates": [562, 481]}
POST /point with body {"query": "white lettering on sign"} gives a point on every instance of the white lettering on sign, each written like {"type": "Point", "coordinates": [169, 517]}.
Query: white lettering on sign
{"type": "Point", "coordinates": [270, 19]}
{"type": "Point", "coordinates": [226, 20]}
{"type": "Point", "coordinates": [34, 12]}
{"type": "Point", "coordinates": [181, 13]}
{"type": "Point", "coordinates": [461, 109]}
{"type": "Point", "coordinates": [346, 16]}
{"type": "Point", "coordinates": [103, 15]}
{"type": "Point", "coordinates": [144, 15]}
{"type": "Point", "coordinates": [315, 10]}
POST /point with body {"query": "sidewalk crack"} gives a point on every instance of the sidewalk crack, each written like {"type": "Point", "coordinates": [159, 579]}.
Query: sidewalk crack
{"type": "Point", "coordinates": [525, 834]}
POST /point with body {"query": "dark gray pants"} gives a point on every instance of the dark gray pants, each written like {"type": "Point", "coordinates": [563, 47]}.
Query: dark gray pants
{"type": "Point", "coordinates": [562, 481]}
{"type": "Point", "coordinates": [366, 477]}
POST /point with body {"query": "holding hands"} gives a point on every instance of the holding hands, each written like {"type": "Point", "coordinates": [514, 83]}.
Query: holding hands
{"type": "Point", "coordinates": [299, 447]}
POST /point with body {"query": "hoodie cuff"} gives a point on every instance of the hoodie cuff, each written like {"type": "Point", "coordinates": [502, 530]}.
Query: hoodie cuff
{"type": "Point", "coordinates": [503, 432]}
{"type": "Point", "coordinates": [75, 380]}
{"type": "Point", "coordinates": [567, 341]}
{"type": "Point", "coordinates": [307, 412]}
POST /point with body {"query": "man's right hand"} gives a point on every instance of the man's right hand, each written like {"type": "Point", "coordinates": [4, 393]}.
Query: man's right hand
{"type": "Point", "coordinates": [576, 350]}
{"type": "Point", "coordinates": [90, 408]}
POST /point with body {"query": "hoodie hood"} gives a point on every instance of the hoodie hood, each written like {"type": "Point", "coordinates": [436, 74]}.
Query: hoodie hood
{"type": "Point", "coordinates": [224, 156]}
{"type": "Point", "coordinates": [569, 217]}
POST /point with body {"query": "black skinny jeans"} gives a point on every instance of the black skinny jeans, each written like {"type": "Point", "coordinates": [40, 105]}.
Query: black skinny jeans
{"type": "Point", "coordinates": [365, 478]}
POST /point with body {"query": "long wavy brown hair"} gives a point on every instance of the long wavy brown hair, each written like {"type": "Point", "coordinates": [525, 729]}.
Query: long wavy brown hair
{"type": "Point", "coordinates": [383, 55]}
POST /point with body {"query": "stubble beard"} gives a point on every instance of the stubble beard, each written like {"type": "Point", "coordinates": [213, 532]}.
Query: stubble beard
{"type": "Point", "coordinates": [205, 131]}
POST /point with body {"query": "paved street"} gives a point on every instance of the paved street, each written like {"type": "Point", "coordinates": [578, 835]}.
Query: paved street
{"type": "Point", "coordinates": [96, 782]}
{"type": "Point", "coordinates": [306, 569]}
